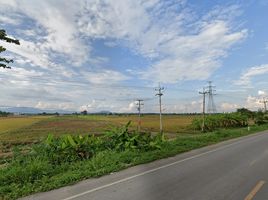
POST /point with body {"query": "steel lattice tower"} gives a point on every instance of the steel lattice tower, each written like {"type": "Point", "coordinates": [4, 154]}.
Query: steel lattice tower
{"type": "Point", "coordinates": [211, 108]}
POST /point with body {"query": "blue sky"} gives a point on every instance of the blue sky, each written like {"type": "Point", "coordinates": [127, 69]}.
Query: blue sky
{"type": "Point", "coordinates": [103, 54]}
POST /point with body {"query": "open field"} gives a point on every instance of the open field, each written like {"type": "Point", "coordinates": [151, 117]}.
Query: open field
{"type": "Point", "coordinates": [14, 123]}
{"type": "Point", "coordinates": [35, 165]}
{"type": "Point", "coordinates": [30, 129]}
{"type": "Point", "coordinates": [32, 173]}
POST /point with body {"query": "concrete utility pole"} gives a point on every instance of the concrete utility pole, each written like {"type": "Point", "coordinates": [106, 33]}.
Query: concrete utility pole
{"type": "Point", "coordinates": [204, 107]}
{"type": "Point", "coordinates": [264, 101]}
{"type": "Point", "coordinates": [211, 104]}
{"type": "Point", "coordinates": [160, 94]}
{"type": "Point", "coordinates": [139, 104]}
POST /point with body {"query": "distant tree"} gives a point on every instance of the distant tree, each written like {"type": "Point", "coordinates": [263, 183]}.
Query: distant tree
{"type": "Point", "coordinates": [84, 112]}
{"type": "Point", "coordinates": [246, 112]}
{"type": "Point", "coordinates": [4, 61]}
{"type": "Point", "coordinates": [4, 114]}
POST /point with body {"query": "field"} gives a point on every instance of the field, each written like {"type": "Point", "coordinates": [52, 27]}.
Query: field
{"type": "Point", "coordinates": [30, 129]}
{"type": "Point", "coordinates": [28, 165]}
{"type": "Point", "coordinates": [13, 123]}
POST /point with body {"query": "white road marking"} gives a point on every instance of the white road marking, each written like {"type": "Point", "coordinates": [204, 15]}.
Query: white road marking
{"type": "Point", "coordinates": [155, 169]}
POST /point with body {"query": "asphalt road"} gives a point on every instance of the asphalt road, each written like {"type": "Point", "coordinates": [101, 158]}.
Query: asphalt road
{"type": "Point", "coordinates": [232, 170]}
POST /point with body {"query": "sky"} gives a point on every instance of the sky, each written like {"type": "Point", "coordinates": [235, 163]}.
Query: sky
{"type": "Point", "coordinates": [100, 55]}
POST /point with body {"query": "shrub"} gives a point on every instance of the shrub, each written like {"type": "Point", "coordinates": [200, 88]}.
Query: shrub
{"type": "Point", "coordinates": [68, 148]}
{"type": "Point", "coordinates": [213, 122]}
{"type": "Point", "coordinates": [121, 139]}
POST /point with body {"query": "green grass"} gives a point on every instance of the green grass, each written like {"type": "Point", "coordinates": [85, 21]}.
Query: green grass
{"type": "Point", "coordinates": [27, 175]}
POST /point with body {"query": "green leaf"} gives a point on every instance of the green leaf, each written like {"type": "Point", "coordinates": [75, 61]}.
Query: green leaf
{"type": "Point", "coordinates": [71, 141]}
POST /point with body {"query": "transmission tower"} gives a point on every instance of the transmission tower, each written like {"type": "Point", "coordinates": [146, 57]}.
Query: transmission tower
{"type": "Point", "coordinates": [139, 104]}
{"type": "Point", "coordinates": [211, 105]}
{"type": "Point", "coordinates": [264, 101]}
{"type": "Point", "coordinates": [160, 94]}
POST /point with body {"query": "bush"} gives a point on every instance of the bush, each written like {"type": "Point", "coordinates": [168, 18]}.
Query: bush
{"type": "Point", "coordinates": [122, 139]}
{"type": "Point", "coordinates": [260, 120]}
{"type": "Point", "coordinates": [213, 122]}
{"type": "Point", "coordinates": [68, 148]}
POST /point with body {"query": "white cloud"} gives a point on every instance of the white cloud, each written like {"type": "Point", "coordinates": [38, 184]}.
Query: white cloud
{"type": "Point", "coordinates": [98, 105]}
{"type": "Point", "coordinates": [153, 29]}
{"type": "Point", "coordinates": [229, 107]}
{"type": "Point", "coordinates": [55, 106]}
{"type": "Point", "coordinates": [8, 20]}
{"type": "Point", "coordinates": [246, 77]}
{"type": "Point", "coordinates": [177, 53]}
{"type": "Point", "coordinates": [57, 18]}
{"type": "Point", "coordinates": [57, 36]}
{"type": "Point", "coordinates": [253, 103]}
{"type": "Point", "coordinates": [262, 93]}
{"type": "Point", "coordinates": [19, 77]}
{"type": "Point", "coordinates": [31, 52]}
{"type": "Point", "coordinates": [130, 108]}
{"type": "Point", "coordinates": [104, 77]}
{"type": "Point", "coordinates": [194, 57]}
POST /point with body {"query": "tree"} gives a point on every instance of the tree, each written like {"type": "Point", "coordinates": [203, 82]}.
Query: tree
{"type": "Point", "coordinates": [247, 112]}
{"type": "Point", "coordinates": [84, 112]}
{"type": "Point", "coordinates": [4, 61]}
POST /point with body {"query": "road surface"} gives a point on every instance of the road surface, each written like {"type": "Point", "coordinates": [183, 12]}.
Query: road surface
{"type": "Point", "coordinates": [232, 170]}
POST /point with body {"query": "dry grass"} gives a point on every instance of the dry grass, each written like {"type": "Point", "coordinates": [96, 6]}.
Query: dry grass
{"type": "Point", "coordinates": [13, 123]}
{"type": "Point", "coordinates": [24, 130]}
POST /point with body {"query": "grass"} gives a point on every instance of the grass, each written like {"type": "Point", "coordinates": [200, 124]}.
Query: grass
{"type": "Point", "coordinates": [27, 175]}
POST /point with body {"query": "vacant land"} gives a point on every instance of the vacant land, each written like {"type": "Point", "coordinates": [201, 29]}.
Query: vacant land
{"type": "Point", "coordinates": [13, 123]}
{"type": "Point", "coordinates": [59, 161]}
{"type": "Point", "coordinates": [26, 130]}
{"type": "Point", "coordinates": [30, 129]}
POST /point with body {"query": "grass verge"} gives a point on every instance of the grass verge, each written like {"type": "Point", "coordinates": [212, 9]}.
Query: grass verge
{"type": "Point", "coordinates": [27, 175]}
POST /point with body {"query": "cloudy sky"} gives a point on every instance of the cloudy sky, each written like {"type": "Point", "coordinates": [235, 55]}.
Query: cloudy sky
{"type": "Point", "coordinates": [104, 54]}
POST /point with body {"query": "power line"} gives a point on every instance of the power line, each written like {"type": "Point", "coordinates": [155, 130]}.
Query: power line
{"type": "Point", "coordinates": [139, 104]}
{"type": "Point", "coordinates": [58, 82]}
{"type": "Point", "coordinates": [160, 94]}
{"type": "Point", "coordinates": [204, 93]}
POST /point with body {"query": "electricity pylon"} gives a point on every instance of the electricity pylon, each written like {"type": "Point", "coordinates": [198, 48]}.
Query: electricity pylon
{"type": "Point", "coordinates": [211, 105]}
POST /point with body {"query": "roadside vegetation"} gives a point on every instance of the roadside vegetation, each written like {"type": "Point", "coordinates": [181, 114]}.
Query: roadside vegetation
{"type": "Point", "coordinates": [57, 161]}
{"type": "Point", "coordinates": [242, 118]}
{"type": "Point", "coordinates": [213, 122]}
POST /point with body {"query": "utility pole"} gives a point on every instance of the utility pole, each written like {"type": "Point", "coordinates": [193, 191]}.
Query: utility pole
{"type": "Point", "coordinates": [204, 107]}
{"type": "Point", "coordinates": [139, 104]}
{"type": "Point", "coordinates": [211, 104]}
{"type": "Point", "coordinates": [160, 94]}
{"type": "Point", "coordinates": [264, 101]}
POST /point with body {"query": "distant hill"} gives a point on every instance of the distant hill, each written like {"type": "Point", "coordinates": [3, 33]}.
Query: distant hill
{"type": "Point", "coordinates": [105, 112]}
{"type": "Point", "coordinates": [31, 110]}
